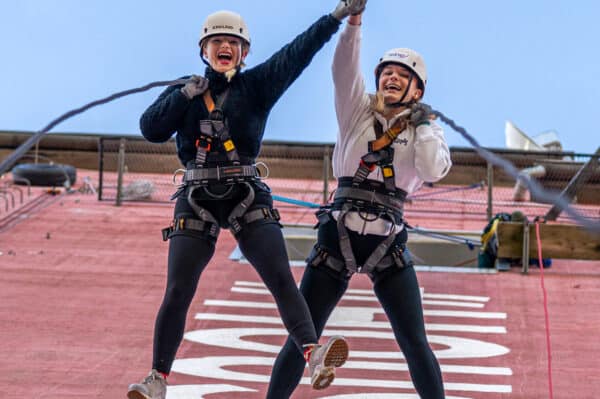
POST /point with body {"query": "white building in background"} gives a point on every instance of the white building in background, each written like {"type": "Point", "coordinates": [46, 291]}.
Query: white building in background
{"type": "Point", "coordinates": [516, 139]}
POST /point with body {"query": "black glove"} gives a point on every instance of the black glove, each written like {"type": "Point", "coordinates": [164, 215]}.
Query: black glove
{"type": "Point", "coordinates": [421, 114]}
{"type": "Point", "coordinates": [348, 7]}
{"type": "Point", "coordinates": [195, 86]}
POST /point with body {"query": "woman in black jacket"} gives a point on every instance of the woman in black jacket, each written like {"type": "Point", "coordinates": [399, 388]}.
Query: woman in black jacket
{"type": "Point", "coordinates": [219, 121]}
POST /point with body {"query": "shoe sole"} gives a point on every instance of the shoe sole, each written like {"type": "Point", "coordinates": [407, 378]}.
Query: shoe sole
{"type": "Point", "coordinates": [337, 354]}
{"type": "Point", "coordinates": [136, 395]}
{"type": "Point", "coordinates": [324, 378]}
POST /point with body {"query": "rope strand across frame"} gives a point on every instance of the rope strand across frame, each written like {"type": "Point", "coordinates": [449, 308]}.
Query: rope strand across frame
{"type": "Point", "coordinates": [494, 159]}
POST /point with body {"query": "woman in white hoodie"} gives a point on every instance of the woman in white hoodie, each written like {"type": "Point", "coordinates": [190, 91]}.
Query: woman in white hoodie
{"type": "Point", "coordinates": [388, 145]}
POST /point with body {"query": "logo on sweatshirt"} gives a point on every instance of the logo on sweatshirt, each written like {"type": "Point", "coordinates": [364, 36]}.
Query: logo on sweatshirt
{"type": "Point", "coordinates": [401, 141]}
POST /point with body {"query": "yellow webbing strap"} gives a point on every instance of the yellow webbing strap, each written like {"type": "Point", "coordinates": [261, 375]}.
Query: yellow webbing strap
{"type": "Point", "coordinates": [208, 101]}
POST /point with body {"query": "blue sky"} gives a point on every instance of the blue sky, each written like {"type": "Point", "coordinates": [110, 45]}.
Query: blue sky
{"type": "Point", "coordinates": [532, 62]}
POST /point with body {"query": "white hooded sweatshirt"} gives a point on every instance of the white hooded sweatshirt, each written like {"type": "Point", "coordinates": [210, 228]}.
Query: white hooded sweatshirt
{"type": "Point", "coordinates": [420, 155]}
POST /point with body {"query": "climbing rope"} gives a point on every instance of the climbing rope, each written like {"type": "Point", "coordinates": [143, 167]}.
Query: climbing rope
{"type": "Point", "coordinates": [494, 159]}
{"type": "Point", "coordinates": [31, 141]}
{"type": "Point", "coordinates": [533, 186]}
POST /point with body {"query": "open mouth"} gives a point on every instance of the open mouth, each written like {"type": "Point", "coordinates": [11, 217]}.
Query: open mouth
{"type": "Point", "coordinates": [392, 87]}
{"type": "Point", "coordinates": [224, 58]}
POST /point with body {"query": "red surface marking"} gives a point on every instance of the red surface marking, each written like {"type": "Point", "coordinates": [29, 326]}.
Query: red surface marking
{"type": "Point", "coordinates": [81, 282]}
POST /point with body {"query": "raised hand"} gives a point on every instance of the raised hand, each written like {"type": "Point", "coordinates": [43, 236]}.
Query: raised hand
{"type": "Point", "coordinates": [348, 7]}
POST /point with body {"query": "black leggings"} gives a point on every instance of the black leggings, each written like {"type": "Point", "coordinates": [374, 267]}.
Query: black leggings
{"type": "Point", "coordinates": [263, 245]}
{"type": "Point", "coordinates": [398, 292]}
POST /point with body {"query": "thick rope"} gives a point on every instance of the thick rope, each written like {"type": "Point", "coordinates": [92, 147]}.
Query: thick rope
{"type": "Point", "coordinates": [532, 185]}
{"type": "Point", "coordinates": [31, 141]}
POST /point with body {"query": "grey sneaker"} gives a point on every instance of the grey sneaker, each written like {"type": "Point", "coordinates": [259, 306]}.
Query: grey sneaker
{"type": "Point", "coordinates": [324, 359]}
{"type": "Point", "coordinates": [152, 387]}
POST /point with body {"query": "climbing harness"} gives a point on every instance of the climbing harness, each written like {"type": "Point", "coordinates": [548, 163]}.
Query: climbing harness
{"type": "Point", "coordinates": [372, 200]}
{"type": "Point", "coordinates": [200, 178]}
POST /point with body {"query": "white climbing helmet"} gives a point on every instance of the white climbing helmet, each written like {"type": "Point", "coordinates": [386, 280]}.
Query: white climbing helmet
{"type": "Point", "coordinates": [224, 23]}
{"type": "Point", "coordinates": [403, 56]}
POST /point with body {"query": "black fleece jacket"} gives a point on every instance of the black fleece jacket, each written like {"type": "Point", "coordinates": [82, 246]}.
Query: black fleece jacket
{"type": "Point", "coordinates": [252, 95]}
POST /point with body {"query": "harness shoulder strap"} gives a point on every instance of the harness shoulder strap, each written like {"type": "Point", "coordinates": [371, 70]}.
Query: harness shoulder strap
{"type": "Point", "coordinates": [208, 101]}
{"type": "Point", "coordinates": [215, 111]}
{"type": "Point", "coordinates": [386, 138]}
{"type": "Point", "coordinates": [381, 153]}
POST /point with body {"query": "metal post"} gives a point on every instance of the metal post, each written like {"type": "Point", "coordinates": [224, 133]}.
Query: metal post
{"type": "Point", "coordinates": [326, 167]}
{"type": "Point", "coordinates": [525, 256]}
{"type": "Point", "coordinates": [120, 171]}
{"type": "Point", "coordinates": [37, 150]}
{"type": "Point", "coordinates": [490, 191]}
{"type": "Point", "coordinates": [100, 167]}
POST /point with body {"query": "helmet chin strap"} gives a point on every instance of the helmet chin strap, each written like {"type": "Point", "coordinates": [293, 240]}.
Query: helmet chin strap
{"type": "Point", "coordinates": [401, 103]}
{"type": "Point", "coordinates": [204, 59]}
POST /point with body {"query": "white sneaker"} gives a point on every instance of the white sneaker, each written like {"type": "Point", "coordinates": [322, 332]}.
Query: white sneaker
{"type": "Point", "coordinates": [324, 359]}
{"type": "Point", "coordinates": [152, 387]}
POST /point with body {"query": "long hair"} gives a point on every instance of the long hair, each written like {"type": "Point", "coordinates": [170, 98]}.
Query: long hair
{"type": "Point", "coordinates": [377, 104]}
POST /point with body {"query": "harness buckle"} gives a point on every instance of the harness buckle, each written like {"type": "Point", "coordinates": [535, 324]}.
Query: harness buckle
{"type": "Point", "coordinates": [216, 115]}
{"type": "Point", "coordinates": [235, 226]}
{"type": "Point", "coordinates": [166, 232]}
{"type": "Point", "coordinates": [401, 257]}
{"type": "Point", "coordinates": [323, 216]}
{"type": "Point", "coordinates": [369, 165]}
{"type": "Point", "coordinates": [204, 142]}
{"type": "Point", "coordinates": [321, 257]}
{"type": "Point", "coordinates": [275, 214]}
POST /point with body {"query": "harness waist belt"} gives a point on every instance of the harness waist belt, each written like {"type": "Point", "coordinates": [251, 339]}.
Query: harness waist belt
{"type": "Point", "coordinates": [369, 197]}
{"type": "Point", "coordinates": [372, 185]}
{"type": "Point", "coordinates": [235, 172]}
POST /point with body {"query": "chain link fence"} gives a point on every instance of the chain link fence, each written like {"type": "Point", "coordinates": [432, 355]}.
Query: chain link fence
{"type": "Point", "coordinates": [134, 170]}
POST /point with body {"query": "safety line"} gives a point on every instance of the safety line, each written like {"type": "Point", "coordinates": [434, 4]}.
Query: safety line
{"type": "Point", "coordinates": [295, 201]}
{"type": "Point", "coordinates": [458, 239]}
{"type": "Point", "coordinates": [461, 240]}
{"type": "Point", "coordinates": [546, 317]}
{"type": "Point", "coordinates": [448, 190]}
